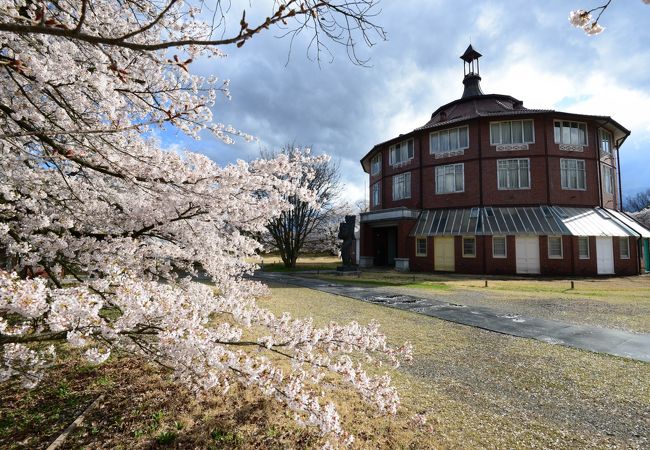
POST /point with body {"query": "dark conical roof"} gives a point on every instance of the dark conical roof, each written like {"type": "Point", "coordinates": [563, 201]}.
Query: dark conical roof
{"type": "Point", "coordinates": [470, 54]}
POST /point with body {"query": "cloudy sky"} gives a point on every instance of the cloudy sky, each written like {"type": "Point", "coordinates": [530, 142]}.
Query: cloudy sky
{"type": "Point", "coordinates": [529, 49]}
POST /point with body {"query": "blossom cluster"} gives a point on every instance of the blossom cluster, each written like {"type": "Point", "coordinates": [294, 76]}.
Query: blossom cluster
{"type": "Point", "coordinates": [120, 227]}
{"type": "Point", "coordinates": [583, 19]}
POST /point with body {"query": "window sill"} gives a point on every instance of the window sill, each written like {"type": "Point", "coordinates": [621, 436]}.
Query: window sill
{"type": "Point", "coordinates": [572, 148]}
{"type": "Point", "coordinates": [500, 257]}
{"type": "Point", "coordinates": [510, 147]}
{"type": "Point", "coordinates": [556, 257]}
{"type": "Point", "coordinates": [401, 164]}
{"type": "Point", "coordinates": [440, 155]}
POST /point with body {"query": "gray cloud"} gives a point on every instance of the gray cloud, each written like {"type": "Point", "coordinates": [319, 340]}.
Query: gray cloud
{"type": "Point", "coordinates": [343, 110]}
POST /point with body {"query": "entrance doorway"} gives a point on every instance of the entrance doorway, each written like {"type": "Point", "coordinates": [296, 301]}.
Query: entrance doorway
{"type": "Point", "coordinates": [443, 252]}
{"type": "Point", "coordinates": [385, 245]}
{"type": "Point", "coordinates": [604, 256]}
{"type": "Point", "coordinates": [527, 251]}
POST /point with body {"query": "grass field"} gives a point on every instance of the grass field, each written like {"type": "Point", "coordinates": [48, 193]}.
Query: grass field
{"type": "Point", "coordinates": [622, 302]}
{"type": "Point", "coordinates": [273, 263]}
{"type": "Point", "coordinates": [476, 388]}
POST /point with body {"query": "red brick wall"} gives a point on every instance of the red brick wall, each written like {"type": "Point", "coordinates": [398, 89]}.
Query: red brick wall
{"type": "Point", "coordinates": [365, 235]}
{"type": "Point", "coordinates": [584, 266]}
{"type": "Point", "coordinates": [421, 263]}
{"type": "Point", "coordinates": [556, 266]}
{"type": "Point", "coordinates": [545, 187]}
{"type": "Point", "coordinates": [404, 242]}
{"type": "Point", "coordinates": [469, 264]}
{"type": "Point", "coordinates": [497, 266]}
{"type": "Point", "coordinates": [625, 266]}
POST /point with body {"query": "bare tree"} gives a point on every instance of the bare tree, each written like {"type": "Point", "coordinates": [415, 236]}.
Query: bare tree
{"type": "Point", "coordinates": [289, 232]}
{"type": "Point", "coordinates": [637, 202]}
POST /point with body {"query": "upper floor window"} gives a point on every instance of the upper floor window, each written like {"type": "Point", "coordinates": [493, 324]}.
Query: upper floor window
{"type": "Point", "coordinates": [573, 174]}
{"type": "Point", "coordinates": [376, 194]}
{"type": "Point", "coordinates": [512, 132]}
{"type": "Point", "coordinates": [401, 153]}
{"type": "Point", "coordinates": [513, 173]}
{"type": "Point", "coordinates": [570, 133]}
{"type": "Point", "coordinates": [375, 164]}
{"type": "Point", "coordinates": [608, 179]}
{"type": "Point", "coordinates": [450, 178]}
{"type": "Point", "coordinates": [451, 140]}
{"type": "Point", "coordinates": [402, 186]}
{"type": "Point", "coordinates": [605, 141]}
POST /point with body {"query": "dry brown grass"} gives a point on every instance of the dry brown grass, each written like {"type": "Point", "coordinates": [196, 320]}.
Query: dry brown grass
{"type": "Point", "coordinates": [478, 389]}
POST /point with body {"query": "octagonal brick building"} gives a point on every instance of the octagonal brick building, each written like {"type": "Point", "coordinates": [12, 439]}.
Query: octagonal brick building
{"type": "Point", "coordinates": [490, 186]}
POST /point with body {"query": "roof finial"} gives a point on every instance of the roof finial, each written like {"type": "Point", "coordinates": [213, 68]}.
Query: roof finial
{"type": "Point", "coordinates": [471, 71]}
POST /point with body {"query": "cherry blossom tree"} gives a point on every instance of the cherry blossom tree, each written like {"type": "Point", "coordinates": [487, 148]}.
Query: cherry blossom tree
{"type": "Point", "coordinates": [584, 19]}
{"type": "Point", "coordinates": [88, 195]}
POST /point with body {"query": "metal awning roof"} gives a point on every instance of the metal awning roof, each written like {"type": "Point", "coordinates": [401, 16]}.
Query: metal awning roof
{"type": "Point", "coordinates": [631, 223]}
{"type": "Point", "coordinates": [525, 220]}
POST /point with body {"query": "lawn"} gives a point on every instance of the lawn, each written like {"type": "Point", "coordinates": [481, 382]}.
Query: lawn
{"type": "Point", "coordinates": [476, 388]}
{"type": "Point", "coordinates": [483, 389]}
{"type": "Point", "coordinates": [622, 302]}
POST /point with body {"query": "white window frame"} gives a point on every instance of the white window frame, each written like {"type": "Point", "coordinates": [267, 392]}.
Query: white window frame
{"type": "Point", "coordinates": [452, 169]}
{"type": "Point", "coordinates": [584, 239]}
{"type": "Point", "coordinates": [548, 244]}
{"type": "Point", "coordinates": [507, 169]}
{"type": "Point", "coordinates": [505, 247]}
{"type": "Point", "coordinates": [566, 171]}
{"type": "Point", "coordinates": [609, 180]}
{"type": "Point", "coordinates": [406, 151]}
{"type": "Point", "coordinates": [437, 135]}
{"type": "Point", "coordinates": [520, 123]}
{"type": "Point", "coordinates": [375, 189]}
{"type": "Point", "coordinates": [561, 140]}
{"type": "Point", "coordinates": [419, 239]}
{"type": "Point", "coordinates": [375, 164]}
{"type": "Point", "coordinates": [610, 141]}
{"type": "Point", "coordinates": [407, 185]}
{"type": "Point", "coordinates": [626, 254]}
{"type": "Point", "coordinates": [473, 239]}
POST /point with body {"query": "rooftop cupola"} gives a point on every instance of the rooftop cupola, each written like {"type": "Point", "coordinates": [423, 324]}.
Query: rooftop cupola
{"type": "Point", "coordinates": [472, 80]}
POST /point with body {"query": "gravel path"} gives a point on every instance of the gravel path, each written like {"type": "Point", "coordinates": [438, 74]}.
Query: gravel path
{"type": "Point", "coordinates": [586, 337]}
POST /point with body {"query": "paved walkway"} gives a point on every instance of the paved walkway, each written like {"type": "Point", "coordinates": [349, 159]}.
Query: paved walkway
{"type": "Point", "coordinates": [586, 337]}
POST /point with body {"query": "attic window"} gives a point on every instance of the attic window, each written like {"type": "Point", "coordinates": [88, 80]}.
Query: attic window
{"type": "Point", "coordinates": [443, 116]}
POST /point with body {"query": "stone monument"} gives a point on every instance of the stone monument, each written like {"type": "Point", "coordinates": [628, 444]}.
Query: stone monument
{"type": "Point", "coordinates": [349, 245]}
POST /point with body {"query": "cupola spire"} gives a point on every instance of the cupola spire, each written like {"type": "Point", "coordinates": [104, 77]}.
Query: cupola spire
{"type": "Point", "coordinates": [472, 80]}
